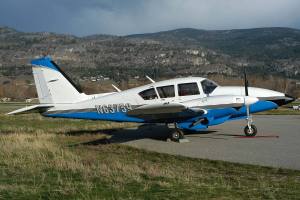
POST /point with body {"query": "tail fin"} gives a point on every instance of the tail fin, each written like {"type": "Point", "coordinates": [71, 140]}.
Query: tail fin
{"type": "Point", "coordinates": [52, 84]}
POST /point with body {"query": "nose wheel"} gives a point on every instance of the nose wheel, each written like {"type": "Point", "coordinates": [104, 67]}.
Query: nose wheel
{"type": "Point", "coordinates": [250, 131]}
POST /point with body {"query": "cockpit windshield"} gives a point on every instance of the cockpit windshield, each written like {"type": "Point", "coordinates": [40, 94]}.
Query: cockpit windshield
{"type": "Point", "coordinates": [208, 86]}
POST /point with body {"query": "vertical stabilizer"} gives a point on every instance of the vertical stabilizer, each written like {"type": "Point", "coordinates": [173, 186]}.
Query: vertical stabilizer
{"type": "Point", "coordinates": [52, 84]}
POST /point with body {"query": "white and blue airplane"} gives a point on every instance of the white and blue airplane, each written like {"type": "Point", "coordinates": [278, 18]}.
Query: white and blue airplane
{"type": "Point", "coordinates": [191, 103]}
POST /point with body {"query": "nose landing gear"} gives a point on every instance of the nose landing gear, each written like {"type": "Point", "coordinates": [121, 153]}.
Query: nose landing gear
{"type": "Point", "coordinates": [250, 130]}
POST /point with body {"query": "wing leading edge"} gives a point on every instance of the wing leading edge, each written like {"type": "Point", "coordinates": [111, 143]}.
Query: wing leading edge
{"type": "Point", "coordinates": [169, 111]}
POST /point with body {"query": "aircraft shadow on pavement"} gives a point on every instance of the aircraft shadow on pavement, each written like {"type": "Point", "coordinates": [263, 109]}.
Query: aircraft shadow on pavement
{"type": "Point", "coordinates": [155, 132]}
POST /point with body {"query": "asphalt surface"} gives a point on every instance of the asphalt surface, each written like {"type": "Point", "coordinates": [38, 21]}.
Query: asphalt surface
{"type": "Point", "coordinates": [277, 143]}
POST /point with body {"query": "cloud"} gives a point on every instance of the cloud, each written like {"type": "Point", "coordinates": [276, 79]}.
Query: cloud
{"type": "Point", "coordinates": [121, 17]}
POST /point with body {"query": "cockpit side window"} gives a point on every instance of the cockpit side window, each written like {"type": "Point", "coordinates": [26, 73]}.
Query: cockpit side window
{"type": "Point", "coordinates": [187, 89]}
{"type": "Point", "coordinates": [148, 94]}
{"type": "Point", "coordinates": [208, 86]}
{"type": "Point", "coordinates": [166, 91]}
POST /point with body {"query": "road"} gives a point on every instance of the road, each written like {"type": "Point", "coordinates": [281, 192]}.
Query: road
{"type": "Point", "coordinates": [277, 143]}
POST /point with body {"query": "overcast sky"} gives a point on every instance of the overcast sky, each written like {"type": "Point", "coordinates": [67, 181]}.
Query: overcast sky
{"type": "Point", "coordinates": [122, 17]}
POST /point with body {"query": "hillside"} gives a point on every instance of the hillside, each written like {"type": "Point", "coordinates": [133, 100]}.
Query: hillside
{"type": "Point", "coordinates": [268, 53]}
{"type": "Point", "coordinates": [254, 44]}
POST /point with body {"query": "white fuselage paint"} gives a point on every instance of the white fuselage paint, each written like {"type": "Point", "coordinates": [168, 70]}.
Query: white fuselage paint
{"type": "Point", "coordinates": [222, 94]}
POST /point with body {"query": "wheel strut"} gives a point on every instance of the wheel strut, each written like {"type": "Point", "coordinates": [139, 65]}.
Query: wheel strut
{"type": "Point", "coordinates": [250, 130]}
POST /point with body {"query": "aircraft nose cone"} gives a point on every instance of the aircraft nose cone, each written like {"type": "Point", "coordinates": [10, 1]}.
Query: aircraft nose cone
{"type": "Point", "coordinates": [289, 98]}
{"type": "Point", "coordinates": [283, 100]}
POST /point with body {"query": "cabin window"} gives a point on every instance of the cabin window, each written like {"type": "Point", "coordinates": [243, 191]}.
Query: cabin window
{"type": "Point", "coordinates": [166, 91]}
{"type": "Point", "coordinates": [187, 89]}
{"type": "Point", "coordinates": [208, 86]}
{"type": "Point", "coordinates": [148, 94]}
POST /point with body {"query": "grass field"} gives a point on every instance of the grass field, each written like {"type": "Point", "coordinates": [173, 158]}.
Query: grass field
{"type": "Point", "coordinates": [280, 111]}
{"type": "Point", "coordinates": [43, 158]}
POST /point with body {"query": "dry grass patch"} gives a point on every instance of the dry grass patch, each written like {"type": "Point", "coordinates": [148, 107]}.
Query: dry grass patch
{"type": "Point", "coordinates": [44, 158]}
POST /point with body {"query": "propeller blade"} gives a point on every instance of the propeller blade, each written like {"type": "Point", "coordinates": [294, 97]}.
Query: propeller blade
{"type": "Point", "coordinates": [246, 84]}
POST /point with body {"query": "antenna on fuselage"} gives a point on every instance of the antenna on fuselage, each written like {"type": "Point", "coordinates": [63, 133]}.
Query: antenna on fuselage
{"type": "Point", "coordinates": [150, 79]}
{"type": "Point", "coordinates": [116, 88]}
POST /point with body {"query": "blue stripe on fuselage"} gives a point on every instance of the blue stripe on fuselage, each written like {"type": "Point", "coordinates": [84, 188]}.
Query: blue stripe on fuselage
{"type": "Point", "coordinates": [118, 117]}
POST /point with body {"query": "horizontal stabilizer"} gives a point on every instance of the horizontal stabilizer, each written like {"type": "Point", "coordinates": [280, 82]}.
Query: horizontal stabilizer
{"type": "Point", "coordinates": [31, 109]}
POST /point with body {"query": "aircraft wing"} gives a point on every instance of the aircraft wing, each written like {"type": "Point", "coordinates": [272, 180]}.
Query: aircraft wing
{"type": "Point", "coordinates": [189, 109]}
{"type": "Point", "coordinates": [164, 111]}
{"type": "Point", "coordinates": [31, 109]}
{"type": "Point", "coordinates": [221, 101]}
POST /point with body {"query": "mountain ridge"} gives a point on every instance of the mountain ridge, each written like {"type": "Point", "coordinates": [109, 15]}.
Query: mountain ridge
{"type": "Point", "coordinates": [166, 54]}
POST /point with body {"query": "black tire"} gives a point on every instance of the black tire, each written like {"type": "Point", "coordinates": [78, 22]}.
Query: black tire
{"type": "Point", "coordinates": [175, 136]}
{"type": "Point", "coordinates": [249, 133]}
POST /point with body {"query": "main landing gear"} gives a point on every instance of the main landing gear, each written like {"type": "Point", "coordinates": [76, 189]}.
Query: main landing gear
{"type": "Point", "coordinates": [177, 135]}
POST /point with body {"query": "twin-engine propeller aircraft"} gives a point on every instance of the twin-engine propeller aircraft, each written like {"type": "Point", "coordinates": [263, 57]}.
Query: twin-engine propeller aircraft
{"type": "Point", "coordinates": [191, 103]}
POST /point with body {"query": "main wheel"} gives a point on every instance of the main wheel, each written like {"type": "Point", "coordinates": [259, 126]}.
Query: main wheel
{"type": "Point", "coordinates": [175, 136]}
{"type": "Point", "coordinates": [250, 132]}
